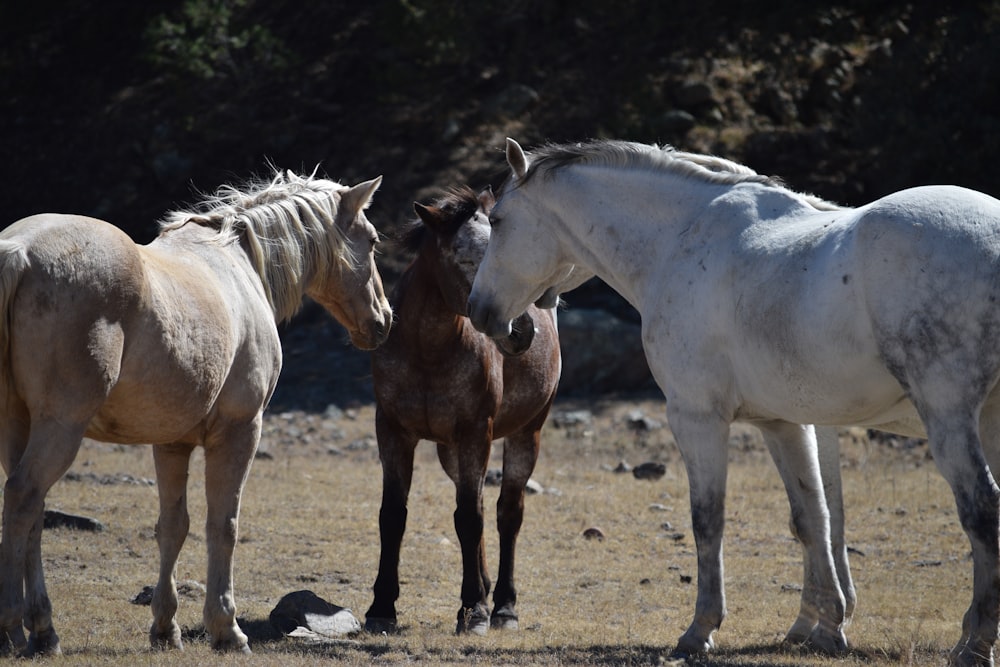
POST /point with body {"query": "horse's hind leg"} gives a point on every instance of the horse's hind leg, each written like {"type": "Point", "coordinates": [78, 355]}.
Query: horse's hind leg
{"type": "Point", "coordinates": [821, 615]}
{"type": "Point", "coordinates": [228, 455]}
{"type": "Point", "coordinates": [171, 531]}
{"type": "Point", "coordinates": [957, 452]}
{"type": "Point", "coordinates": [520, 453]}
{"type": "Point", "coordinates": [13, 440]}
{"type": "Point", "coordinates": [48, 455]}
{"type": "Point", "coordinates": [472, 456]}
{"type": "Point", "coordinates": [395, 450]}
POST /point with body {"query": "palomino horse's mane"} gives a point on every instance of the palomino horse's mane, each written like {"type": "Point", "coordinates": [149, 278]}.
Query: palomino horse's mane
{"type": "Point", "coordinates": [289, 225]}
{"type": "Point", "coordinates": [708, 168]}
{"type": "Point", "coordinates": [458, 203]}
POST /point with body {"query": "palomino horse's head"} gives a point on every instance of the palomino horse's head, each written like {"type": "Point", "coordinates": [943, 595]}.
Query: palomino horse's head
{"type": "Point", "coordinates": [460, 230]}
{"type": "Point", "coordinates": [351, 288]}
{"type": "Point", "coordinates": [522, 262]}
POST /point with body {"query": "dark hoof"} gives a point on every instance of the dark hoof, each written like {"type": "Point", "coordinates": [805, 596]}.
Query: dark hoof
{"type": "Point", "coordinates": [473, 620]}
{"type": "Point", "coordinates": [12, 642]}
{"type": "Point", "coordinates": [378, 626]}
{"type": "Point", "coordinates": [42, 645]}
{"type": "Point", "coordinates": [504, 623]}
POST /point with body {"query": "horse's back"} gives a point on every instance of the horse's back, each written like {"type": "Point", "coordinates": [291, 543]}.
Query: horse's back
{"type": "Point", "coordinates": [824, 310]}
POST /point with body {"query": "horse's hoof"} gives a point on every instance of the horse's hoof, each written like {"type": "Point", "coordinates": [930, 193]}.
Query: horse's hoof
{"type": "Point", "coordinates": [800, 632]}
{"type": "Point", "coordinates": [166, 641]}
{"type": "Point", "coordinates": [379, 626]}
{"type": "Point", "coordinates": [232, 647]}
{"type": "Point", "coordinates": [474, 621]}
{"type": "Point", "coordinates": [12, 642]}
{"type": "Point", "coordinates": [236, 643]}
{"type": "Point", "coordinates": [966, 655]}
{"type": "Point", "coordinates": [42, 645]}
{"type": "Point", "coordinates": [504, 623]}
{"type": "Point", "coordinates": [690, 644]}
{"type": "Point", "coordinates": [824, 641]}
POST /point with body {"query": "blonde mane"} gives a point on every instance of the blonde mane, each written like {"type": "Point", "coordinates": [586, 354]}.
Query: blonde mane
{"type": "Point", "coordinates": [289, 228]}
{"type": "Point", "coordinates": [708, 168]}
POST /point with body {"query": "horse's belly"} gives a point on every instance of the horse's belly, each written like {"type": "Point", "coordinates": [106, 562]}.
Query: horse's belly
{"type": "Point", "coordinates": [857, 397]}
{"type": "Point", "coordinates": [153, 412]}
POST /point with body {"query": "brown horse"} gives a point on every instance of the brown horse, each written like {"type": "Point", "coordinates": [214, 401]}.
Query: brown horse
{"type": "Point", "coordinates": [175, 344]}
{"type": "Point", "coordinates": [438, 379]}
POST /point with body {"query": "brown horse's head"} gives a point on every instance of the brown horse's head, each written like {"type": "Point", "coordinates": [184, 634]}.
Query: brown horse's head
{"type": "Point", "coordinates": [460, 229]}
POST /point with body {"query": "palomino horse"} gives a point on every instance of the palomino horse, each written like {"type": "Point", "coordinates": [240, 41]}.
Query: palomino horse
{"type": "Point", "coordinates": [436, 378]}
{"type": "Point", "coordinates": [175, 344]}
{"type": "Point", "coordinates": [763, 305]}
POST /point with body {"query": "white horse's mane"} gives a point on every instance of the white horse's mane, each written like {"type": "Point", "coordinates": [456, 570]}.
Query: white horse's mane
{"type": "Point", "coordinates": [289, 225]}
{"type": "Point", "coordinates": [708, 168]}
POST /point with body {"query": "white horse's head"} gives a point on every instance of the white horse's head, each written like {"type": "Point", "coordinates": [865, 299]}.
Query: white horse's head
{"type": "Point", "coordinates": [523, 262]}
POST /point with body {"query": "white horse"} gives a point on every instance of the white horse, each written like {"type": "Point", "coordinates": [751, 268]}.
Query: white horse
{"type": "Point", "coordinates": [764, 305]}
{"type": "Point", "coordinates": [175, 344]}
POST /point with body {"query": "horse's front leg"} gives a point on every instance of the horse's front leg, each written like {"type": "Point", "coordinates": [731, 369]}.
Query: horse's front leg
{"type": "Point", "coordinates": [171, 531]}
{"type": "Point", "coordinates": [520, 453]}
{"type": "Point", "coordinates": [821, 615]}
{"type": "Point", "coordinates": [229, 452]}
{"type": "Point", "coordinates": [395, 450]}
{"type": "Point", "coordinates": [828, 448]}
{"type": "Point", "coordinates": [702, 438]}
{"type": "Point", "coordinates": [472, 458]}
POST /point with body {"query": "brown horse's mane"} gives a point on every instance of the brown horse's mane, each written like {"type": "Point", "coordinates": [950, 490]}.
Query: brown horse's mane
{"type": "Point", "coordinates": [457, 204]}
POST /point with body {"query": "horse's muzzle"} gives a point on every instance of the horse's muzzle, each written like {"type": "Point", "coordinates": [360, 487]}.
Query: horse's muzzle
{"type": "Point", "coordinates": [522, 332]}
{"type": "Point", "coordinates": [485, 319]}
{"type": "Point", "coordinates": [376, 334]}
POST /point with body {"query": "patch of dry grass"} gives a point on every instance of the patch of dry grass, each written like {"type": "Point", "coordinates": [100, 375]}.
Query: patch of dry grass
{"type": "Point", "coordinates": [310, 521]}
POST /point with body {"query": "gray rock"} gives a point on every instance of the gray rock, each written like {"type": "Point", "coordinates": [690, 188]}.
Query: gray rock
{"type": "Point", "coordinates": [694, 94]}
{"type": "Point", "coordinates": [305, 609]}
{"type": "Point", "coordinates": [677, 121]}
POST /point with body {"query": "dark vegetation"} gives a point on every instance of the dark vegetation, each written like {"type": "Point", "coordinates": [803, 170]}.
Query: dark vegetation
{"type": "Point", "coordinates": [122, 109]}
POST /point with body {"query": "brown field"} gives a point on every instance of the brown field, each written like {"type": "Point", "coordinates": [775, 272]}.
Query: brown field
{"type": "Point", "coordinates": [310, 522]}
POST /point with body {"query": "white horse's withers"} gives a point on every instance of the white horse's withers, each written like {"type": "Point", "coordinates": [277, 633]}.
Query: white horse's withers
{"type": "Point", "coordinates": [764, 305]}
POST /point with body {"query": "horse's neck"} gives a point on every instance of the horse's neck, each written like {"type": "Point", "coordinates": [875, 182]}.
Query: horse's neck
{"type": "Point", "coordinates": [618, 226]}
{"type": "Point", "coordinates": [421, 308]}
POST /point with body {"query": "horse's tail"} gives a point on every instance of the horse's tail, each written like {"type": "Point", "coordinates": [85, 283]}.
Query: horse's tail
{"type": "Point", "coordinates": [13, 263]}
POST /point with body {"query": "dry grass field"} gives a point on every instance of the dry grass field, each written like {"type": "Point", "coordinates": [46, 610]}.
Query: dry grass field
{"type": "Point", "coordinates": [310, 522]}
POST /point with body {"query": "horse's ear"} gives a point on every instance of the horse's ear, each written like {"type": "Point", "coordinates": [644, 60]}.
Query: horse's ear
{"type": "Point", "coordinates": [429, 215]}
{"type": "Point", "coordinates": [358, 197]}
{"type": "Point", "coordinates": [486, 198]}
{"type": "Point", "coordinates": [516, 159]}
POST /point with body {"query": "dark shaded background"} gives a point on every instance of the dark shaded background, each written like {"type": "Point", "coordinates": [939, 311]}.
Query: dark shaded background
{"type": "Point", "coordinates": [122, 109]}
